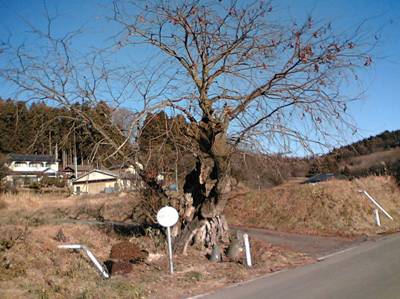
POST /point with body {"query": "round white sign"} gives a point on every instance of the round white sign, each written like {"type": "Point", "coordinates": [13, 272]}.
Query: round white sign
{"type": "Point", "coordinates": [167, 216]}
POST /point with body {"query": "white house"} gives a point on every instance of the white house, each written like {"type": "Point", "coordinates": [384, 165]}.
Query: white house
{"type": "Point", "coordinates": [26, 169]}
{"type": "Point", "coordinates": [102, 181]}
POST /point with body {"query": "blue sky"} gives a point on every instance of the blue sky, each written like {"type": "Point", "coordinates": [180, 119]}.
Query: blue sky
{"type": "Point", "coordinates": [379, 107]}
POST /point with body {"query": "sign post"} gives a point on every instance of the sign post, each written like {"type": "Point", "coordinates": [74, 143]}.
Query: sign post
{"type": "Point", "coordinates": [171, 264]}
{"type": "Point", "coordinates": [167, 217]}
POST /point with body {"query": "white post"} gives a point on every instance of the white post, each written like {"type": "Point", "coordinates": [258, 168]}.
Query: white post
{"type": "Point", "coordinates": [167, 217]}
{"type": "Point", "coordinates": [377, 219]}
{"type": "Point", "coordinates": [96, 262]}
{"type": "Point", "coordinates": [91, 256]}
{"type": "Point", "coordinates": [247, 249]}
{"type": "Point", "coordinates": [377, 204]}
{"type": "Point", "coordinates": [171, 264]}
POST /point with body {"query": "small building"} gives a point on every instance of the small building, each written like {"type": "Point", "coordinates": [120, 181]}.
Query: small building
{"type": "Point", "coordinates": [24, 170]}
{"type": "Point", "coordinates": [101, 181]}
{"type": "Point", "coordinates": [69, 171]}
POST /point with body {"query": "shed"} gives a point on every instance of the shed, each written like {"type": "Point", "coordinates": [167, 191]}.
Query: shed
{"type": "Point", "coordinates": [100, 181]}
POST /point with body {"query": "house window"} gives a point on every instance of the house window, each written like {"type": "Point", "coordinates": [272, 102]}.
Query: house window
{"type": "Point", "coordinates": [78, 189]}
{"type": "Point", "coordinates": [20, 164]}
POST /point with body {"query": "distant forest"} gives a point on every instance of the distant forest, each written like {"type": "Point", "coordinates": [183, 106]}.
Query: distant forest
{"type": "Point", "coordinates": [372, 144]}
{"type": "Point", "coordinates": [41, 129]}
{"type": "Point", "coordinates": [378, 155]}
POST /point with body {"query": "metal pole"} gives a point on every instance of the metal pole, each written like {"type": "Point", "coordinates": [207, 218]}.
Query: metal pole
{"type": "Point", "coordinates": [247, 248]}
{"type": "Point", "coordinates": [171, 265]}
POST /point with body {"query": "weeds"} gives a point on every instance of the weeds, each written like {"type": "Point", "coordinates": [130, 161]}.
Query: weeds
{"type": "Point", "coordinates": [328, 208]}
{"type": "Point", "coordinates": [156, 237]}
{"type": "Point", "coordinates": [3, 204]}
{"type": "Point", "coordinates": [194, 276]}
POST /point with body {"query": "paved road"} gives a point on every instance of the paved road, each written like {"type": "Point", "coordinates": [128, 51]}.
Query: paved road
{"type": "Point", "coordinates": [314, 246]}
{"type": "Point", "coordinates": [369, 271]}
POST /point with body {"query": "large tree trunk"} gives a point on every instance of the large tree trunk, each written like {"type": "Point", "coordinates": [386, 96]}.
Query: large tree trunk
{"type": "Point", "coordinates": [206, 191]}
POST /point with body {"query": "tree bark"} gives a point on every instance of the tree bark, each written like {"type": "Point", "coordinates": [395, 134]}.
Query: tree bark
{"type": "Point", "coordinates": [205, 192]}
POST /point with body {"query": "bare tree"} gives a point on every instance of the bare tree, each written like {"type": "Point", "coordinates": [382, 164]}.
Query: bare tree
{"type": "Point", "coordinates": [241, 78]}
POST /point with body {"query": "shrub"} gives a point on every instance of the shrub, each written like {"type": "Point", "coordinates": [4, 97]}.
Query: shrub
{"type": "Point", "coordinates": [3, 204]}
{"type": "Point", "coordinates": [395, 171]}
{"type": "Point", "coordinates": [55, 182]}
{"type": "Point", "coordinates": [34, 185]}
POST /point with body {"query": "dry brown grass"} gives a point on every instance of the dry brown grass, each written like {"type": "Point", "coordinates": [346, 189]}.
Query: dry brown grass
{"type": "Point", "coordinates": [47, 208]}
{"type": "Point", "coordinates": [31, 265]}
{"type": "Point", "coordinates": [363, 163]}
{"type": "Point", "coordinates": [329, 208]}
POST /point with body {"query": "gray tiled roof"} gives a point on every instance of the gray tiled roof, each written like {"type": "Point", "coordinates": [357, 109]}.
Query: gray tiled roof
{"type": "Point", "coordinates": [31, 158]}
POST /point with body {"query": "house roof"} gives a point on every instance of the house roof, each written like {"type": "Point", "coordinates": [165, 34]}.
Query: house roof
{"type": "Point", "coordinates": [31, 158]}
{"type": "Point", "coordinates": [106, 172]}
{"type": "Point", "coordinates": [71, 168]}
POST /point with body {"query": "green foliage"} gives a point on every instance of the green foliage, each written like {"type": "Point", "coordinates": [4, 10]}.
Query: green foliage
{"type": "Point", "coordinates": [37, 128]}
{"type": "Point", "coordinates": [380, 142]}
{"type": "Point", "coordinates": [331, 161]}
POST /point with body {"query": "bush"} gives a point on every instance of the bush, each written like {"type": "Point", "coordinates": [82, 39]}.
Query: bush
{"type": "Point", "coordinates": [52, 182]}
{"type": "Point", "coordinates": [8, 188]}
{"type": "Point", "coordinates": [34, 185]}
{"type": "Point", "coordinates": [395, 171]}
{"type": "Point", "coordinates": [3, 204]}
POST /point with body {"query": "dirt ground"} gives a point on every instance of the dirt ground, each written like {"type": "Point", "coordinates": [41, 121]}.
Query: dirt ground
{"type": "Point", "coordinates": [316, 220]}
{"type": "Point", "coordinates": [32, 266]}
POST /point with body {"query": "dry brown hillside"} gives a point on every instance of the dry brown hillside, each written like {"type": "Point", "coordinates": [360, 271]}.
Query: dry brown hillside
{"type": "Point", "coordinates": [329, 208]}
{"type": "Point", "coordinates": [362, 164]}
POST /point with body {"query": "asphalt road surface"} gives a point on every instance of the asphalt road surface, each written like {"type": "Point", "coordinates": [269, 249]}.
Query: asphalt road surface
{"type": "Point", "coordinates": [369, 271]}
{"type": "Point", "coordinates": [314, 246]}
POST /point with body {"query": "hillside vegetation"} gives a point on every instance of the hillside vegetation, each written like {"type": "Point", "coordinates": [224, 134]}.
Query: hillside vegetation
{"type": "Point", "coordinates": [378, 155]}
{"type": "Point", "coordinates": [162, 146]}
{"type": "Point", "coordinates": [328, 208]}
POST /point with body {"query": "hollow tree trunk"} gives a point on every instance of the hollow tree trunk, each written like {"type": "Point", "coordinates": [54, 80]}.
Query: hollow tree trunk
{"type": "Point", "coordinates": [205, 193]}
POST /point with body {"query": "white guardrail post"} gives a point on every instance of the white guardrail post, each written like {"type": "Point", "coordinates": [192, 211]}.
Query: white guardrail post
{"type": "Point", "coordinates": [376, 204]}
{"type": "Point", "coordinates": [377, 219]}
{"type": "Point", "coordinates": [247, 249]}
{"type": "Point", "coordinates": [91, 256]}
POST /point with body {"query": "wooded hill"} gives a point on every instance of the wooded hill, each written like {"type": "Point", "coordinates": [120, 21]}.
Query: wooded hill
{"type": "Point", "coordinates": [162, 146]}
{"type": "Point", "coordinates": [378, 154]}
{"type": "Point", "coordinates": [43, 129]}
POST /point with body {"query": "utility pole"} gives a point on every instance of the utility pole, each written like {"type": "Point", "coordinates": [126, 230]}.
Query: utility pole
{"type": "Point", "coordinates": [176, 175]}
{"type": "Point", "coordinates": [75, 158]}
{"type": "Point", "coordinates": [56, 152]}
{"type": "Point", "coordinates": [50, 149]}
